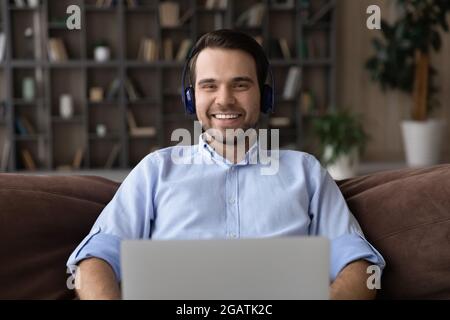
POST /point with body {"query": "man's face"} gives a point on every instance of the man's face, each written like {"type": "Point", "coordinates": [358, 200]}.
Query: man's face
{"type": "Point", "coordinates": [227, 94]}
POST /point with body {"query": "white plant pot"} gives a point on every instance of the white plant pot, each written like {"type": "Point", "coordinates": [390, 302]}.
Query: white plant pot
{"type": "Point", "coordinates": [102, 54]}
{"type": "Point", "coordinates": [346, 166]}
{"type": "Point", "coordinates": [423, 141]}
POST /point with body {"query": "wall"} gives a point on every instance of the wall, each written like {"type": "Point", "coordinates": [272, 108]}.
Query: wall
{"type": "Point", "coordinates": [355, 90]}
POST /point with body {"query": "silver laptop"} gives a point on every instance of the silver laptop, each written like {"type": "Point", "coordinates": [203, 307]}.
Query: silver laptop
{"type": "Point", "coordinates": [244, 269]}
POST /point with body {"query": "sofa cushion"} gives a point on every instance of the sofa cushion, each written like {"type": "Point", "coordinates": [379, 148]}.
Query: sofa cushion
{"type": "Point", "coordinates": [405, 214]}
{"type": "Point", "coordinates": [43, 219]}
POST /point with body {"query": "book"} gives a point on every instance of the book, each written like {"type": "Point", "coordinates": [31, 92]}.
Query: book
{"type": "Point", "coordinates": [285, 48]}
{"type": "Point", "coordinates": [307, 103]}
{"type": "Point", "coordinates": [20, 127]}
{"type": "Point", "coordinates": [168, 49]}
{"type": "Point", "coordinates": [210, 4]}
{"type": "Point", "coordinates": [292, 84]}
{"type": "Point", "coordinates": [169, 13]}
{"type": "Point", "coordinates": [2, 45]}
{"type": "Point", "coordinates": [280, 121]}
{"type": "Point", "coordinates": [5, 155]}
{"type": "Point", "coordinates": [183, 51]}
{"type": "Point", "coordinates": [143, 132]}
{"type": "Point", "coordinates": [131, 120]}
{"type": "Point", "coordinates": [28, 160]}
{"type": "Point", "coordinates": [113, 89]}
{"type": "Point", "coordinates": [148, 50]}
{"type": "Point", "coordinates": [186, 16]}
{"type": "Point", "coordinates": [252, 17]}
{"type": "Point", "coordinates": [56, 50]}
{"type": "Point", "coordinates": [78, 158]}
{"type": "Point", "coordinates": [27, 124]}
{"type": "Point", "coordinates": [135, 130]}
{"type": "Point", "coordinates": [131, 91]}
{"type": "Point", "coordinates": [112, 156]}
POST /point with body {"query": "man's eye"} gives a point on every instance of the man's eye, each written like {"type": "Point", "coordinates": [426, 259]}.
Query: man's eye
{"type": "Point", "coordinates": [209, 86]}
{"type": "Point", "coordinates": [241, 85]}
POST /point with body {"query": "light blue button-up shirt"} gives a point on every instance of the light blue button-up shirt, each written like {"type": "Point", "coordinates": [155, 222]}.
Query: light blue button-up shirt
{"type": "Point", "coordinates": [201, 195]}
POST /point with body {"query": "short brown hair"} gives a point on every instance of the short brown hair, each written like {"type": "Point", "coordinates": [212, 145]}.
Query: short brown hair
{"type": "Point", "coordinates": [231, 39]}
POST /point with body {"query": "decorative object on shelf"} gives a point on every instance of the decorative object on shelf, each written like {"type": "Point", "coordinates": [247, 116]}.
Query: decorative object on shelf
{"type": "Point", "coordinates": [101, 130]}
{"type": "Point", "coordinates": [342, 139]}
{"type": "Point", "coordinates": [402, 61]}
{"type": "Point", "coordinates": [28, 89]}
{"type": "Point", "coordinates": [66, 106]}
{"type": "Point", "coordinates": [29, 43]}
{"type": "Point", "coordinates": [102, 52]}
{"type": "Point", "coordinates": [135, 130]}
{"type": "Point", "coordinates": [96, 94]}
{"type": "Point", "coordinates": [33, 3]}
{"type": "Point", "coordinates": [169, 14]}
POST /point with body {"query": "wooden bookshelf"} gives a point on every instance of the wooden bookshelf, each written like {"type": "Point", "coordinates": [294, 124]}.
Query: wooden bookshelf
{"type": "Point", "coordinates": [98, 136]}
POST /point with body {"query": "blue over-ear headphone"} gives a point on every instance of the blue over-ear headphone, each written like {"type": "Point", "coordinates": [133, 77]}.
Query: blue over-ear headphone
{"type": "Point", "coordinates": [188, 93]}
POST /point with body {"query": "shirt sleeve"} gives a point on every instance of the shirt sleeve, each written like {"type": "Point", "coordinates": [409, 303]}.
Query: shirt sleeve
{"type": "Point", "coordinates": [127, 216]}
{"type": "Point", "coordinates": [331, 218]}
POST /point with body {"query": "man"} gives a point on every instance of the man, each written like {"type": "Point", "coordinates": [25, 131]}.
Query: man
{"type": "Point", "coordinates": [225, 196]}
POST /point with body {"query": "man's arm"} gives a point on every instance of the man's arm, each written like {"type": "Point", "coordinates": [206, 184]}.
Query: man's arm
{"type": "Point", "coordinates": [351, 283]}
{"type": "Point", "coordinates": [96, 280]}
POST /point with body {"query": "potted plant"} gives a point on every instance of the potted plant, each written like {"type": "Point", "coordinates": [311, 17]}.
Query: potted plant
{"type": "Point", "coordinates": [342, 139]}
{"type": "Point", "coordinates": [402, 61]}
{"type": "Point", "coordinates": [102, 52]}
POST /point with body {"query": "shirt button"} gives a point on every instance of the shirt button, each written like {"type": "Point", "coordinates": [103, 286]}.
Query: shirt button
{"type": "Point", "coordinates": [231, 200]}
{"type": "Point", "coordinates": [232, 235]}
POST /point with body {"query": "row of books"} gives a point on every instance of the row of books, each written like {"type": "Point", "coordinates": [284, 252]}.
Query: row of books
{"type": "Point", "coordinates": [216, 4]}
{"type": "Point", "coordinates": [149, 50]}
{"type": "Point", "coordinates": [169, 14]}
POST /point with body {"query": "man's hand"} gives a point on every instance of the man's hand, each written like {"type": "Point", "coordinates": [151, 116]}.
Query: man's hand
{"type": "Point", "coordinates": [351, 283]}
{"type": "Point", "coordinates": [96, 280]}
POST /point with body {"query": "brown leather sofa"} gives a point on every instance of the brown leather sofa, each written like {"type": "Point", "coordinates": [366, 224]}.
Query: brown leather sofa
{"type": "Point", "coordinates": [404, 213]}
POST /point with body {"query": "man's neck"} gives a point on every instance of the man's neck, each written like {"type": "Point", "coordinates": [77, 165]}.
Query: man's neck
{"type": "Point", "coordinates": [236, 152]}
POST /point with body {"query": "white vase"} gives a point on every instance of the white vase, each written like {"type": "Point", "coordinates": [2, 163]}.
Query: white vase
{"type": "Point", "coordinates": [102, 54]}
{"type": "Point", "coordinates": [346, 165]}
{"type": "Point", "coordinates": [66, 106]}
{"type": "Point", "coordinates": [423, 141]}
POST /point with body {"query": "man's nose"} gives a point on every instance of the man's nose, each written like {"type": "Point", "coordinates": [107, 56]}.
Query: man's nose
{"type": "Point", "coordinates": [225, 96]}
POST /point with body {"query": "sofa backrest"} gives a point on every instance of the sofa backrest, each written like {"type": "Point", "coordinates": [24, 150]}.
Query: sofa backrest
{"type": "Point", "coordinates": [42, 220]}
{"type": "Point", "coordinates": [405, 214]}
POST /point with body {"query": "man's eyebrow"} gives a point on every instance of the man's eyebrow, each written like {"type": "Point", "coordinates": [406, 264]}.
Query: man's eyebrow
{"type": "Point", "coordinates": [245, 79]}
{"type": "Point", "coordinates": [236, 79]}
{"type": "Point", "coordinates": [210, 80]}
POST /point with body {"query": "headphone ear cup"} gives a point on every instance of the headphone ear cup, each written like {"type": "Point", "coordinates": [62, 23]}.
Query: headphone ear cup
{"type": "Point", "coordinates": [189, 100]}
{"type": "Point", "coordinates": [267, 99]}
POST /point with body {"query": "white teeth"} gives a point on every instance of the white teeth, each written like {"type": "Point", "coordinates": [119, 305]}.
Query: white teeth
{"type": "Point", "coordinates": [226, 116]}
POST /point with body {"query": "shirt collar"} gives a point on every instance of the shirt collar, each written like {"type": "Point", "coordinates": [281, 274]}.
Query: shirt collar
{"type": "Point", "coordinates": [205, 149]}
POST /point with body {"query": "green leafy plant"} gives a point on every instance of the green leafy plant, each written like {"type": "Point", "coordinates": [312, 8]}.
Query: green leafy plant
{"type": "Point", "coordinates": [342, 131]}
{"type": "Point", "coordinates": [402, 56]}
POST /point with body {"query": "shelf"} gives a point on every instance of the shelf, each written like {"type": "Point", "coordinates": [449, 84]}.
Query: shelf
{"type": "Point", "coordinates": [321, 62]}
{"type": "Point", "coordinates": [33, 137]}
{"type": "Point", "coordinates": [142, 9]}
{"type": "Point", "coordinates": [108, 136]}
{"type": "Point", "coordinates": [103, 103]}
{"type": "Point", "coordinates": [93, 8]}
{"type": "Point", "coordinates": [143, 101]}
{"type": "Point", "coordinates": [25, 8]}
{"type": "Point", "coordinates": [75, 119]}
{"type": "Point", "coordinates": [26, 103]}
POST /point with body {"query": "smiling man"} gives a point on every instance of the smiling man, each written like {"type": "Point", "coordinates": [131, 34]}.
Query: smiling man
{"type": "Point", "coordinates": [226, 196]}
